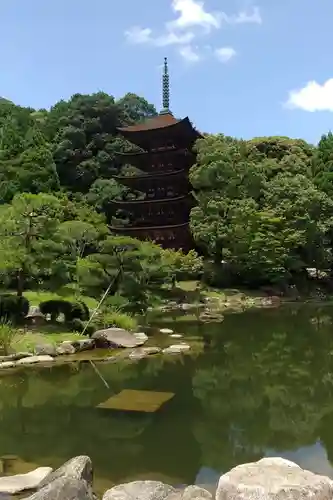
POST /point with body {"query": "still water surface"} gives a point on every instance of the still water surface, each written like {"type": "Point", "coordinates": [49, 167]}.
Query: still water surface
{"type": "Point", "coordinates": [261, 386]}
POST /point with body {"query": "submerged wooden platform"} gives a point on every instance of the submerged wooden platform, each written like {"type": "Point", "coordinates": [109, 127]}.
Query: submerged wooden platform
{"type": "Point", "coordinates": [140, 401]}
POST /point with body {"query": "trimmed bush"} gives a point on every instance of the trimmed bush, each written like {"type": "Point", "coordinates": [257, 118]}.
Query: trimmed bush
{"type": "Point", "coordinates": [71, 310]}
{"type": "Point", "coordinates": [91, 328]}
{"type": "Point", "coordinates": [80, 311]}
{"type": "Point", "coordinates": [13, 307]}
{"type": "Point", "coordinates": [76, 325]}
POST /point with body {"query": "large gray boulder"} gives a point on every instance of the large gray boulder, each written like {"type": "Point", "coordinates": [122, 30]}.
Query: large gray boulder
{"type": "Point", "coordinates": [273, 479]}
{"type": "Point", "coordinates": [79, 467]}
{"type": "Point", "coordinates": [20, 482]}
{"type": "Point", "coordinates": [116, 337]}
{"type": "Point", "coordinates": [139, 490]}
{"type": "Point", "coordinates": [191, 493]}
{"type": "Point", "coordinates": [64, 488]}
{"type": "Point", "coordinates": [45, 349]}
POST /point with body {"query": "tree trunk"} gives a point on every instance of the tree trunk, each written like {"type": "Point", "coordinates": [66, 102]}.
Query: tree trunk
{"type": "Point", "coordinates": [20, 283]}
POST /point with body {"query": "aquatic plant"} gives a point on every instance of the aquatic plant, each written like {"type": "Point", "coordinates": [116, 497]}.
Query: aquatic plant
{"type": "Point", "coordinates": [8, 336]}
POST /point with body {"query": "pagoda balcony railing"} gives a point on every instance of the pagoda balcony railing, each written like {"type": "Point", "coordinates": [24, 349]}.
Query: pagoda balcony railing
{"type": "Point", "coordinates": [166, 200]}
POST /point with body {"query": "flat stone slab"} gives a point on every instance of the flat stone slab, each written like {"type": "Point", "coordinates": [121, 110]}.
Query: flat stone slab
{"type": "Point", "coordinates": [35, 359]}
{"type": "Point", "coordinates": [166, 330]}
{"type": "Point", "coordinates": [141, 401]}
{"type": "Point", "coordinates": [20, 482]}
{"type": "Point", "coordinates": [7, 364]}
{"type": "Point", "coordinates": [117, 337]}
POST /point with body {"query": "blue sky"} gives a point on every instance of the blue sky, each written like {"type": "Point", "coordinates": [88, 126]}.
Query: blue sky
{"type": "Point", "coordinates": [236, 67]}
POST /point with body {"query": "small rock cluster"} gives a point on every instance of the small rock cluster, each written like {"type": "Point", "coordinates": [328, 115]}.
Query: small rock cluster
{"type": "Point", "coordinates": [109, 338]}
{"type": "Point", "coordinates": [269, 478]}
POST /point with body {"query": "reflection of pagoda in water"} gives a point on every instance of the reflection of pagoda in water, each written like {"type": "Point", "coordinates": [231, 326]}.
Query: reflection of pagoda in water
{"type": "Point", "coordinates": [164, 162]}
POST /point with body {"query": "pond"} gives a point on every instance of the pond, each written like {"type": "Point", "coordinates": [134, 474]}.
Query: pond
{"type": "Point", "coordinates": [262, 386]}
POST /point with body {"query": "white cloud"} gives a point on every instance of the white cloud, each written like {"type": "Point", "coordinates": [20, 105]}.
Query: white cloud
{"type": "Point", "coordinates": [137, 35]}
{"type": "Point", "coordinates": [312, 97]}
{"type": "Point", "coordinates": [192, 19]}
{"type": "Point", "coordinates": [188, 53]}
{"type": "Point", "coordinates": [192, 13]}
{"type": "Point", "coordinates": [224, 54]}
{"type": "Point", "coordinates": [246, 17]}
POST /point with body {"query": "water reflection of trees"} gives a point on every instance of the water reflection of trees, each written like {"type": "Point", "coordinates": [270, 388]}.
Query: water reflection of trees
{"type": "Point", "coordinates": [266, 382]}
{"type": "Point", "coordinates": [269, 387]}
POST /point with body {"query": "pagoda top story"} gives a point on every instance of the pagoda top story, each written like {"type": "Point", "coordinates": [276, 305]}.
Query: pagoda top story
{"type": "Point", "coordinates": [164, 123]}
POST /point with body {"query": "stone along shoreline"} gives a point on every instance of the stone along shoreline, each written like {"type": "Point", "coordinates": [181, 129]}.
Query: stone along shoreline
{"type": "Point", "coordinates": [269, 478]}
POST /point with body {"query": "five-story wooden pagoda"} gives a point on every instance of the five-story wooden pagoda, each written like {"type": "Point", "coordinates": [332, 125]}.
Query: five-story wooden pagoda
{"type": "Point", "coordinates": [164, 162]}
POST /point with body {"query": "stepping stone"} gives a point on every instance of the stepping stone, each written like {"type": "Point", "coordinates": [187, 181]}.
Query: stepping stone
{"type": "Point", "coordinates": [141, 401]}
{"type": "Point", "coordinates": [165, 330]}
{"type": "Point", "coordinates": [20, 482]}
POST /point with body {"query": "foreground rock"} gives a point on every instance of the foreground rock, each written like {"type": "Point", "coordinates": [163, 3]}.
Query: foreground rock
{"type": "Point", "coordinates": [116, 337]}
{"type": "Point", "coordinates": [20, 482]}
{"type": "Point", "coordinates": [31, 360]}
{"type": "Point", "coordinates": [191, 493]}
{"type": "Point", "coordinates": [79, 467]}
{"type": "Point", "coordinates": [274, 479]}
{"type": "Point", "coordinates": [64, 488]}
{"type": "Point", "coordinates": [140, 490]}
{"type": "Point", "coordinates": [176, 349]}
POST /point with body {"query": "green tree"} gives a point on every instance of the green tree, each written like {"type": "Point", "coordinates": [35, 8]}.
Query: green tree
{"type": "Point", "coordinates": [27, 238]}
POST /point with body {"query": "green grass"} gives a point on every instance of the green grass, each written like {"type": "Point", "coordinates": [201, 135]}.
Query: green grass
{"type": "Point", "coordinates": [66, 293]}
{"type": "Point", "coordinates": [26, 342]}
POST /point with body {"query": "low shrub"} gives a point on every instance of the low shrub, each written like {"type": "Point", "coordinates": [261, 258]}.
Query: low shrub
{"type": "Point", "coordinates": [13, 308]}
{"type": "Point", "coordinates": [70, 310]}
{"type": "Point", "coordinates": [119, 320]}
{"type": "Point", "coordinates": [8, 336]}
{"type": "Point", "coordinates": [91, 328]}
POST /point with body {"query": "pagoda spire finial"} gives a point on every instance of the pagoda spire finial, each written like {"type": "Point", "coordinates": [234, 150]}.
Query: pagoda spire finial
{"type": "Point", "coordinates": [165, 88]}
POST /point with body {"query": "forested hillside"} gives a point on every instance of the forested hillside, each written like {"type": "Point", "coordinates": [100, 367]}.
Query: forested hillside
{"type": "Point", "coordinates": [264, 211]}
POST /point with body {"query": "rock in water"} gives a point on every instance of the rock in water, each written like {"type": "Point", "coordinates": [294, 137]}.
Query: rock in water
{"type": "Point", "coordinates": [166, 330]}
{"type": "Point", "coordinates": [79, 467]}
{"type": "Point", "coordinates": [35, 359]}
{"type": "Point", "coordinates": [116, 337]}
{"type": "Point", "coordinates": [139, 490]}
{"type": "Point", "coordinates": [64, 488]}
{"type": "Point", "coordinates": [273, 479]}
{"type": "Point", "coordinates": [20, 482]}
{"type": "Point", "coordinates": [176, 349]}
{"type": "Point", "coordinates": [143, 352]}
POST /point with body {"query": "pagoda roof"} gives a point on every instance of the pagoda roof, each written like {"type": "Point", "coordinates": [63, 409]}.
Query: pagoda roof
{"type": "Point", "coordinates": [160, 121]}
{"type": "Point", "coordinates": [142, 154]}
{"type": "Point", "coordinates": [157, 125]}
{"type": "Point", "coordinates": [150, 176]}
{"type": "Point", "coordinates": [148, 228]}
{"type": "Point", "coordinates": [150, 201]}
